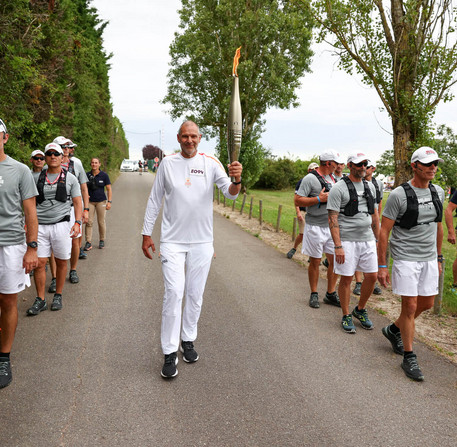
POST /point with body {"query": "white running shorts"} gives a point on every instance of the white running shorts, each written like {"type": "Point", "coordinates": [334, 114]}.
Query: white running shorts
{"type": "Point", "coordinates": [54, 238]}
{"type": "Point", "coordinates": [358, 257]}
{"type": "Point", "coordinates": [316, 241]}
{"type": "Point", "coordinates": [415, 278]}
{"type": "Point", "coordinates": [13, 278]}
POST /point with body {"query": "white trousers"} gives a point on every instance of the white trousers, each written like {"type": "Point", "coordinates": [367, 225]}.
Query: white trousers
{"type": "Point", "coordinates": [185, 268]}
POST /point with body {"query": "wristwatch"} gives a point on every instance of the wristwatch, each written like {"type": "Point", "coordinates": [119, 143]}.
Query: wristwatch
{"type": "Point", "coordinates": [32, 244]}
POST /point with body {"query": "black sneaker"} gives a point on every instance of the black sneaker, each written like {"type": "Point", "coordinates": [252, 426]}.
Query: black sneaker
{"type": "Point", "coordinates": [38, 306]}
{"type": "Point", "coordinates": [291, 253]}
{"type": "Point", "coordinates": [362, 316]}
{"type": "Point", "coordinates": [314, 300]}
{"type": "Point", "coordinates": [5, 372]}
{"type": "Point", "coordinates": [56, 302]}
{"type": "Point", "coordinates": [332, 298]}
{"type": "Point", "coordinates": [347, 324]}
{"type": "Point", "coordinates": [411, 368]}
{"type": "Point", "coordinates": [377, 290]}
{"type": "Point", "coordinates": [395, 339]}
{"type": "Point", "coordinates": [169, 369]}
{"type": "Point", "coordinates": [88, 246]}
{"type": "Point", "coordinates": [82, 255]}
{"type": "Point", "coordinates": [357, 288]}
{"type": "Point", "coordinates": [74, 278]}
{"type": "Point", "coordinates": [189, 353]}
{"type": "Point", "coordinates": [325, 263]}
{"type": "Point", "coordinates": [101, 244]}
{"type": "Point", "coordinates": [52, 286]}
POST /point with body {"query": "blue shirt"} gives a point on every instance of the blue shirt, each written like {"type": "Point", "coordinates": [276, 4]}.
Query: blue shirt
{"type": "Point", "coordinates": [101, 180]}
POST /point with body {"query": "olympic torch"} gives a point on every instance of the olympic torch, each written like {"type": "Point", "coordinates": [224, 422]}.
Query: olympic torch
{"type": "Point", "coordinates": [234, 124]}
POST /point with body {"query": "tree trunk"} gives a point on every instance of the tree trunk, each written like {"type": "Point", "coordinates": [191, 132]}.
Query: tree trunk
{"type": "Point", "coordinates": [402, 137]}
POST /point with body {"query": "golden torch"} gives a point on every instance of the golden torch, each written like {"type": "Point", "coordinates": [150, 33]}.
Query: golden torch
{"type": "Point", "coordinates": [234, 124]}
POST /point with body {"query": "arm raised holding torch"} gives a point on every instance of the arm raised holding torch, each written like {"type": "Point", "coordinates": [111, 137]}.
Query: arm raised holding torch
{"type": "Point", "coordinates": [235, 119]}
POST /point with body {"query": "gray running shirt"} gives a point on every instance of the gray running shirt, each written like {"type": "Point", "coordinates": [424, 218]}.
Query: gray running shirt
{"type": "Point", "coordinates": [51, 210]}
{"type": "Point", "coordinates": [311, 187]}
{"type": "Point", "coordinates": [419, 242]}
{"type": "Point", "coordinates": [357, 227]}
{"type": "Point", "coordinates": [16, 185]}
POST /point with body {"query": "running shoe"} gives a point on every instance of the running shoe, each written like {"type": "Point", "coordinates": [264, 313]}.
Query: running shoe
{"type": "Point", "coordinates": [357, 288]}
{"type": "Point", "coordinates": [377, 290]}
{"type": "Point", "coordinates": [347, 324]}
{"type": "Point", "coordinates": [88, 246]}
{"type": "Point", "coordinates": [332, 298]}
{"type": "Point", "coordinates": [74, 278]}
{"type": "Point", "coordinates": [82, 255]}
{"type": "Point", "coordinates": [395, 339]}
{"type": "Point", "coordinates": [56, 302]}
{"type": "Point", "coordinates": [38, 306]}
{"type": "Point", "coordinates": [362, 316]}
{"type": "Point", "coordinates": [291, 253]}
{"type": "Point", "coordinates": [314, 300]}
{"type": "Point", "coordinates": [189, 353]}
{"type": "Point", "coordinates": [325, 263]}
{"type": "Point", "coordinates": [101, 244]}
{"type": "Point", "coordinates": [5, 372]}
{"type": "Point", "coordinates": [52, 286]}
{"type": "Point", "coordinates": [411, 368]}
{"type": "Point", "coordinates": [169, 369]}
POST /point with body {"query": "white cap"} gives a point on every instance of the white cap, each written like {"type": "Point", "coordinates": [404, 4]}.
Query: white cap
{"type": "Point", "coordinates": [62, 141]}
{"type": "Point", "coordinates": [71, 144]}
{"type": "Point", "coordinates": [36, 152]}
{"type": "Point", "coordinates": [371, 163]}
{"type": "Point", "coordinates": [357, 157]}
{"type": "Point", "coordinates": [340, 159]}
{"type": "Point", "coordinates": [425, 155]}
{"type": "Point", "coordinates": [53, 147]}
{"type": "Point", "coordinates": [313, 166]}
{"type": "Point", "coordinates": [328, 155]}
{"type": "Point", "coordinates": [3, 126]}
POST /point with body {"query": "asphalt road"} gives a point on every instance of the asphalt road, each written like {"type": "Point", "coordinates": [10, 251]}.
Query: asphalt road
{"type": "Point", "coordinates": [272, 371]}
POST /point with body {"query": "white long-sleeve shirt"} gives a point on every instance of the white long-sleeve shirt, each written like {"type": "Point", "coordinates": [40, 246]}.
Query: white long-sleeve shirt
{"type": "Point", "coordinates": [186, 184]}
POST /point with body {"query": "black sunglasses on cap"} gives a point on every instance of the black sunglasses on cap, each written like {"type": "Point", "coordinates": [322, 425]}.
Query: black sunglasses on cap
{"type": "Point", "coordinates": [38, 157]}
{"type": "Point", "coordinates": [434, 163]}
{"type": "Point", "coordinates": [51, 153]}
{"type": "Point", "coordinates": [362, 163]}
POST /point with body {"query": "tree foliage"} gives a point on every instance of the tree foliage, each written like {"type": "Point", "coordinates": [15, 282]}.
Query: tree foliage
{"type": "Point", "coordinates": [150, 152]}
{"type": "Point", "coordinates": [54, 80]}
{"type": "Point", "coordinates": [406, 50]}
{"type": "Point", "coordinates": [446, 146]}
{"type": "Point", "coordinates": [274, 36]}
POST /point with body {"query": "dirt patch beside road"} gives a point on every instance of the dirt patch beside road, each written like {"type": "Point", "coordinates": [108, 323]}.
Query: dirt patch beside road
{"type": "Point", "coordinates": [438, 332]}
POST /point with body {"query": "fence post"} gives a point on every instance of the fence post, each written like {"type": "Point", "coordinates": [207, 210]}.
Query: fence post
{"type": "Point", "coordinates": [250, 208]}
{"type": "Point", "coordinates": [294, 229]}
{"type": "Point", "coordinates": [260, 212]}
{"type": "Point", "coordinates": [439, 297]}
{"type": "Point", "coordinates": [218, 196]}
{"type": "Point", "coordinates": [233, 205]}
{"type": "Point", "coordinates": [278, 222]}
{"type": "Point", "coordinates": [224, 202]}
{"type": "Point", "coordinates": [243, 203]}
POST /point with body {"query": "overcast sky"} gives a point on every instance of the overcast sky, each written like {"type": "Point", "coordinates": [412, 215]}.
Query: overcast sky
{"type": "Point", "coordinates": [337, 111]}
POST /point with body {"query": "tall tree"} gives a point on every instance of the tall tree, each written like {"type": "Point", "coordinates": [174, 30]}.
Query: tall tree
{"type": "Point", "coordinates": [274, 36]}
{"type": "Point", "coordinates": [406, 50]}
{"type": "Point", "coordinates": [150, 152]}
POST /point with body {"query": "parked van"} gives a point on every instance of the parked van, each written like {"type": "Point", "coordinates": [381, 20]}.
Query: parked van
{"type": "Point", "coordinates": [127, 165]}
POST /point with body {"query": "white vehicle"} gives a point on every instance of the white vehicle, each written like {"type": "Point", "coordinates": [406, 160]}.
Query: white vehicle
{"type": "Point", "coordinates": [128, 165]}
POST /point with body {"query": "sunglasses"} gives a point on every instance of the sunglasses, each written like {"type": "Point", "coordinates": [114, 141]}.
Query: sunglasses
{"type": "Point", "coordinates": [51, 153]}
{"type": "Point", "coordinates": [434, 163]}
{"type": "Point", "coordinates": [362, 163]}
{"type": "Point", "coordinates": [36, 157]}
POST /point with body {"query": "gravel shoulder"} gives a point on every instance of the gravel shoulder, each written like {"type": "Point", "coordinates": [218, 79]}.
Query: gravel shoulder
{"type": "Point", "coordinates": [439, 332]}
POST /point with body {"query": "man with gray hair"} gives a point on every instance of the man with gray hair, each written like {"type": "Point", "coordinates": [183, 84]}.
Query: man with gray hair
{"type": "Point", "coordinates": [413, 212]}
{"type": "Point", "coordinates": [313, 194]}
{"type": "Point", "coordinates": [18, 247]}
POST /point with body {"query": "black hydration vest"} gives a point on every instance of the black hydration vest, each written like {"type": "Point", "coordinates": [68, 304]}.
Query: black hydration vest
{"type": "Point", "coordinates": [71, 167]}
{"type": "Point", "coordinates": [61, 192]}
{"type": "Point", "coordinates": [92, 183]}
{"type": "Point", "coordinates": [409, 219]}
{"type": "Point", "coordinates": [352, 207]}
{"type": "Point", "coordinates": [378, 191]}
{"type": "Point", "coordinates": [322, 180]}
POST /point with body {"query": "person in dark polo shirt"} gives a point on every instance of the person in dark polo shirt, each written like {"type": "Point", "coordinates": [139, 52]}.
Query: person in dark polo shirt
{"type": "Point", "coordinates": [98, 202]}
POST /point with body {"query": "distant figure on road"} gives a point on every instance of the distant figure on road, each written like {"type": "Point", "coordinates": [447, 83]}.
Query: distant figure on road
{"type": "Point", "coordinates": [18, 247]}
{"type": "Point", "coordinates": [354, 225]}
{"type": "Point", "coordinates": [301, 211]}
{"type": "Point", "coordinates": [98, 202]}
{"type": "Point", "coordinates": [185, 181]}
{"type": "Point", "coordinates": [140, 166]}
{"type": "Point", "coordinates": [312, 194]}
{"type": "Point", "coordinates": [413, 212]}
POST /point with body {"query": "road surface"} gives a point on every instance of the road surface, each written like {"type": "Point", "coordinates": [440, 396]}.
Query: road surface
{"type": "Point", "coordinates": [272, 371]}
